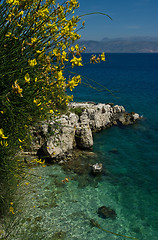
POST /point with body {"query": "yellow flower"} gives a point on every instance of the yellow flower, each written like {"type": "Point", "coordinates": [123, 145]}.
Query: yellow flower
{"type": "Point", "coordinates": [27, 78]}
{"type": "Point", "coordinates": [93, 59]}
{"type": "Point", "coordinates": [72, 49]}
{"type": "Point", "coordinates": [17, 89]}
{"type": "Point", "coordinates": [13, 2]}
{"type": "Point", "coordinates": [30, 118]}
{"type": "Point", "coordinates": [76, 61]}
{"type": "Point", "coordinates": [4, 143]}
{"type": "Point", "coordinates": [103, 56]}
{"type": "Point", "coordinates": [83, 23]}
{"type": "Point", "coordinates": [11, 209]}
{"type": "Point", "coordinates": [74, 82]}
{"type": "Point", "coordinates": [21, 147]}
{"type": "Point", "coordinates": [77, 47]}
{"type": "Point", "coordinates": [33, 40]}
{"type": "Point", "coordinates": [65, 180]}
{"type": "Point", "coordinates": [2, 134]}
{"type": "Point", "coordinates": [32, 62]}
{"type": "Point", "coordinates": [38, 104]}
{"type": "Point", "coordinates": [8, 34]}
{"type": "Point", "coordinates": [36, 101]}
{"type": "Point", "coordinates": [15, 37]}
{"type": "Point", "coordinates": [38, 51]}
{"type": "Point", "coordinates": [63, 47]}
{"type": "Point", "coordinates": [56, 52]}
{"type": "Point", "coordinates": [21, 13]}
{"type": "Point", "coordinates": [64, 56]}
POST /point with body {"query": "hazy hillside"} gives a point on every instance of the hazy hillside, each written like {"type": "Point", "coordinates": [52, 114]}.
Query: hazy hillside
{"type": "Point", "coordinates": [122, 45]}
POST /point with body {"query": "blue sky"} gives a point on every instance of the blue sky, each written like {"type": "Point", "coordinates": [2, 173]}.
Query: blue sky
{"type": "Point", "coordinates": [130, 18]}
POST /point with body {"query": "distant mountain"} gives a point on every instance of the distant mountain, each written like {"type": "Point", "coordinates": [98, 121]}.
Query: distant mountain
{"type": "Point", "coordinates": [133, 39]}
{"type": "Point", "coordinates": [122, 45]}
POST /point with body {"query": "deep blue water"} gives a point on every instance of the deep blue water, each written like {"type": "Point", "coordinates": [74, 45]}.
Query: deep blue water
{"type": "Point", "coordinates": [133, 79]}
{"type": "Point", "coordinates": [53, 210]}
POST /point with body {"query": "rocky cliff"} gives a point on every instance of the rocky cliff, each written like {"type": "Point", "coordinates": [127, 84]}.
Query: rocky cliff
{"type": "Point", "coordinates": [55, 139]}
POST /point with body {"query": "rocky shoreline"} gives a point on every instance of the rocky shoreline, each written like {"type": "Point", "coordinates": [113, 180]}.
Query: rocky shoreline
{"type": "Point", "coordinates": [55, 140]}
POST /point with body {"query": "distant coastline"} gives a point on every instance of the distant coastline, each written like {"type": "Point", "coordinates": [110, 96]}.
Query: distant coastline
{"type": "Point", "coordinates": [122, 45]}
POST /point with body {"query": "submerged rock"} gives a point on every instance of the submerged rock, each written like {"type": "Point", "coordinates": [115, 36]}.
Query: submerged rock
{"type": "Point", "coordinates": [97, 168]}
{"type": "Point", "coordinates": [106, 212]}
{"type": "Point", "coordinates": [114, 150]}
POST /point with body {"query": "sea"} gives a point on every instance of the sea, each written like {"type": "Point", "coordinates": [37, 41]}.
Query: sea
{"type": "Point", "coordinates": [51, 209]}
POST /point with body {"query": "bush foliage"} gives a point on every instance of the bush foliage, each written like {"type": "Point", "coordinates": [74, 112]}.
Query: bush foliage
{"type": "Point", "coordinates": [36, 48]}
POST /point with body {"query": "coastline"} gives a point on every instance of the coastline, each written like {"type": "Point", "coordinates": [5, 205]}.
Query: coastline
{"type": "Point", "coordinates": [55, 140]}
{"type": "Point", "coordinates": [72, 172]}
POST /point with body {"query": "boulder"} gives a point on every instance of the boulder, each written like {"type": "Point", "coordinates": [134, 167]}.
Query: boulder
{"type": "Point", "coordinates": [61, 136]}
{"type": "Point", "coordinates": [97, 168]}
{"type": "Point", "coordinates": [128, 118]}
{"type": "Point", "coordinates": [106, 212]}
{"type": "Point", "coordinates": [83, 137]}
{"type": "Point", "coordinates": [136, 116]}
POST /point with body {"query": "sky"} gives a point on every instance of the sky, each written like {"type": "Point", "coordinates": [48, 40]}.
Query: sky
{"type": "Point", "coordinates": [130, 18]}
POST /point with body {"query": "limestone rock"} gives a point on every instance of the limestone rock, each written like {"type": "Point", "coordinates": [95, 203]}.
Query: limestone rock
{"type": "Point", "coordinates": [84, 138]}
{"type": "Point", "coordinates": [62, 139]}
{"type": "Point", "coordinates": [128, 118]}
{"type": "Point", "coordinates": [136, 116]}
{"type": "Point", "coordinates": [55, 139]}
{"type": "Point", "coordinates": [97, 168]}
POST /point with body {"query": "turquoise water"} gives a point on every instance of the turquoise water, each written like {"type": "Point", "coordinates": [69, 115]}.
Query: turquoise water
{"type": "Point", "coordinates": [54, 210]}
{"type": "Point", "coordinates": [134, 169]}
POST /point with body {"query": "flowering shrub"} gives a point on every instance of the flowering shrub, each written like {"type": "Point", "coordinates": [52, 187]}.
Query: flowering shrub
{"type": "Point", "coordinates": [36, 46]}
{"type": "Point", "coordinates": [35, 38]}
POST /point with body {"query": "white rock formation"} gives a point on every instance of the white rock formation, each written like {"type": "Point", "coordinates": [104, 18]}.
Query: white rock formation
{"type": "Point", "coordinates": [71, 130]}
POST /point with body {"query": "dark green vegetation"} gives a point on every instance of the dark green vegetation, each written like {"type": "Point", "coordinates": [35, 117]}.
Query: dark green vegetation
{"type": "Point", "coordinates": [78, 110]}
{"type": "Point", "coordinates": [33, 55]}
